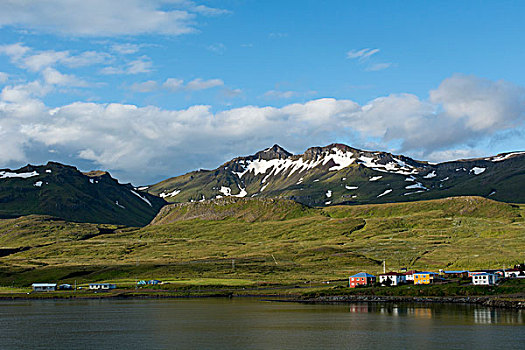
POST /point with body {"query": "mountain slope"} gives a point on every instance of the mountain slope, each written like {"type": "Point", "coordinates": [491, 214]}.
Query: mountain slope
{"type": "Point", "coordinates": [63, 191]}
{"type": "Point", "coordinates": [267, 240]}
{"type": "Point", "coordinates": [339, 174]}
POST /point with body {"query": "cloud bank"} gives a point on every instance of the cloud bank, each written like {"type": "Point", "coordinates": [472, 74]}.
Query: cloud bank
{"type": "Point", "coordinates": [141, 142]}
{"type": "Point", "coordinates": [105, 18]}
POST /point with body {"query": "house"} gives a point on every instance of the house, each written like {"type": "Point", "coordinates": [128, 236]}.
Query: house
{"type": "Point", "coordinates": [44, 287]}
{"type": "Point", "coordinates": [65, 286]}
{"type": "Point", "coordinates": [456, 274]}
{"type": "Point", "coordinates": [392, 279]}
{"type": "Point", "coordinates": [514, 273]}
{"type": "Point", "coordinates": [484, 279]}
{"type": "Point", "coordinates": [361, 279]}
{"type": "Point", "coordinates": [409, 275]}
{"type": "Point", "coordinates": [102, 286]}
{"type": "Point", "coordinates": [425, 277]}
{"type": "Point", "coordinates": [153, 282]}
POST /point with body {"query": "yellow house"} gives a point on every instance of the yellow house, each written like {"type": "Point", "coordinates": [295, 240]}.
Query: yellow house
{"type": "Point", "coordinates": [425, 277]}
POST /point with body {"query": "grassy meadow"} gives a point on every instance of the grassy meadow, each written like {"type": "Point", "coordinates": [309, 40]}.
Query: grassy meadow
{"type": "Point", "coordinates": [246, 242]}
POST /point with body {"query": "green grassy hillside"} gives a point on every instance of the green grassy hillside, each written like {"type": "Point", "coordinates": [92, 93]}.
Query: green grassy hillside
{"type": "Point", "coordinates": [266, 241]}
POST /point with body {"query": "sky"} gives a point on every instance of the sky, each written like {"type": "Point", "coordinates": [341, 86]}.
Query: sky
{"type": "Point", "coordinates": [153, 89]}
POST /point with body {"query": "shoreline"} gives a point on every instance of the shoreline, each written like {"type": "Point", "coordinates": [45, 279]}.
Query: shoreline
{"type": "Point", "coordinates": [487, 301]}
{"type": "Point", "coordinates": [501, 301]}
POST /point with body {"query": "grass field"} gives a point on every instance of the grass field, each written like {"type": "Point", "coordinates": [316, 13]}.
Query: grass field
{"type": "Point", "coordinates": [246, 242]}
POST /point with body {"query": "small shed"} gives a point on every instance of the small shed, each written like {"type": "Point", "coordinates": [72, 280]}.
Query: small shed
{"type": "Point", "coordinates": [102, 286]}
{"type": "Point", "coordinates": [44, 287]}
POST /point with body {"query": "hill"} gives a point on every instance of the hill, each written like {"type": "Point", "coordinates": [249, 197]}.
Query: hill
{"type": "Point", "coordinates": [267, 241]}
{"type": "Point", "coordinates": [339, 174]}
{"type": "Point", "coordinates": [63, 191]}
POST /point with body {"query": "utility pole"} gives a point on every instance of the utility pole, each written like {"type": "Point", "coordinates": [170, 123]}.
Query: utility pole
{"type": "Point", "coordinates": [233, 264]}
{"type": "Point", "coordinates": [384, 266]}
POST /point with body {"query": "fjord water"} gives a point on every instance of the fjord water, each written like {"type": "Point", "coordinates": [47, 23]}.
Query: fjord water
{"type": "Point", "coordinates": [254, 324]}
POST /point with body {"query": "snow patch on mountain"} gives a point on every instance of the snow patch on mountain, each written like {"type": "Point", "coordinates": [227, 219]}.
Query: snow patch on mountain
{"type": "Point", "coordinates": [38, 184]}
{"type": "Point", "coordinates": [141, 197]}
{"type": "Point", "coordinates": [504, 157]}
{"type": "Point", "coordinates": [430, 175]}
{"type": "Point", "coordinates": [328, 193]}
{"type": "Point", "coordinates": [170, 194]}
{"type": "Point", "coordinates": [351, 187]}
{"type": "Point", "coordinates": [416, 185]}
{"type": "Point", "coordinates": [477, 170]}
{"type": "Point", "coordinates": [385, 193]}
{"type": "Point", "coordinates": [409, 193]}
{"type": "Point", "coordinates": [375, 178]}
{"type": "Point", "coordinates": [241, 194]}
{"type": "Point", "coordinates": [226, 191]}
{"type": "Point", "coordinates": [342, 159]}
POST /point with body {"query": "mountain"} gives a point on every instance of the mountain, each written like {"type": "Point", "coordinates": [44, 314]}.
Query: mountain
{"type": "Point", "coordinates": [339, 174]}
{"type": "Point", "coordinates": [65, 192]}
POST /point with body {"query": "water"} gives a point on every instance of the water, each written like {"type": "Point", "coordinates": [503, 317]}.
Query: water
{"type": "Point", "coordinates": [243, 323]}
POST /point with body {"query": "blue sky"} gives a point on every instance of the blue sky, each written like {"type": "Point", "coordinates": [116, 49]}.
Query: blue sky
{"type": "Point", "coordinates": [155, 89]}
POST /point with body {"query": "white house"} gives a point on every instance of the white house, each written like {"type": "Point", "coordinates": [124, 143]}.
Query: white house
{"type": "Point", "coordinates": [44, 287]}
{"type": "Point", "coordinates": [484, 279]}
{"type": "Point", "coordinates": [395, 279]}
{"type": "Point", "coordinates": [514, 273]}
{"type": "Point", "coordinates": [409, 275]}
{"type": "Point", "coordinates": [102, 286]}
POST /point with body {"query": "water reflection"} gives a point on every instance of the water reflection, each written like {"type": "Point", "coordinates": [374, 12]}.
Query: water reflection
{"type": "Point", "coordinates": [253, 324]}
{"type": "Point", "coordinates": [474, 313]}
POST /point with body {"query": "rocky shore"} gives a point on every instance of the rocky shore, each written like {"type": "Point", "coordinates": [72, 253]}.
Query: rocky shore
{"type": "Point", "coordinates": [489, 301]}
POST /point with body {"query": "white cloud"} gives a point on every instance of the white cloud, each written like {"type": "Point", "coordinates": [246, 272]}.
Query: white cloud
{"type": "Point", "coordinates": [218, 48]}
{"type": "Point", "coordinates": [126, 48]}
{"type": "Point", "coordinates": [362, 54]}
{"type": "Point", "coordinates": [3, 77]}
{"type": "Point", "coordinates": [138, 66]}
{"type": "Point", "coordinates": [21, 56]}
{"type": "Point", "coordinates": [176, 85]}
{"type": "Point", "coordinates": [199, 84]}
{"type": "Point", "coordinates": [141, 65]}
{"type": "Point", "coordinates": [54, 77]}
{"type": "Point", "coordinates": [279, 94]}
{"type": "Point", "coordinates": [378, 66]}
{"type": "Point", "coordinates": [104, 18]}
{"type": "Point", "coordinates": [15, 51]}
{"type": "Point", "coordinates": [146, 86]}
{"type": "Point", "coordinates": [173, 84]}
{"type": "Point", "coordinates": [141, 142]}
{"type": "Point", "coordinates": [209, 11]}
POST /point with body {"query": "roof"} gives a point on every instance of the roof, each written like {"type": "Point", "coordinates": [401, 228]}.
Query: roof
{"type": "Point", "coordinates": [44, 285]}
{"type": "Point", "coordinates": [459, 271]}
{"type": "Point", "coordinates": [392, 274]}
{"type": "Point", "coordinates": [484, 274]}
{"type": "Point", "coordinates": [363, 274]}
{"type": "Point", "coordinates": [426, 273]}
